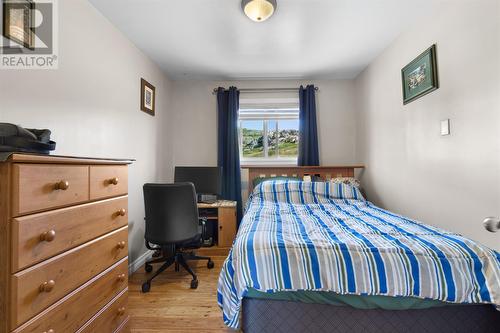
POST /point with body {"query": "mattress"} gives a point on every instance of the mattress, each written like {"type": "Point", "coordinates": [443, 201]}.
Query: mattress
{"type": "Point", "coordinates": [363, 302]}
{"type": "Point", "coordinates": [321, 237]}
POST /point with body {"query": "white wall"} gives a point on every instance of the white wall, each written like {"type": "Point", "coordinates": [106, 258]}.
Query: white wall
{"type": "Point", "coordinates": [454, 181]}
{"type": "Point", "coordinates": [91, 103]}
{"type": "Point", "coordinates": [194, 113]}
{"type": "Point", "coordinates": [195, 117]}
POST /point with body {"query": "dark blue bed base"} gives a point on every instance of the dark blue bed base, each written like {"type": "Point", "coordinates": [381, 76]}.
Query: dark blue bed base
{"type": "Point", "coordinates": [266, 316]}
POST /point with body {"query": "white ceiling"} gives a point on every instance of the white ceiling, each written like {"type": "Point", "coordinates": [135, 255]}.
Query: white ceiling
{"type": "Point", "coordinates": [213, 39]}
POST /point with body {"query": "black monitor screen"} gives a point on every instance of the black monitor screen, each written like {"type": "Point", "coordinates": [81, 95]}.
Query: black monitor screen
{"type": "Point", "coordinates": [206, 180]}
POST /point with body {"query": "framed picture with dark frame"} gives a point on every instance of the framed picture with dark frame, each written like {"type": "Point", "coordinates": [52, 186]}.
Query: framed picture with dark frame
{"type": "Point", "coordinates": [420, 76]}
{"type": "Point", "coordinates": [18, 22]}
{"type": "Point", "coordinates": [147, 97]}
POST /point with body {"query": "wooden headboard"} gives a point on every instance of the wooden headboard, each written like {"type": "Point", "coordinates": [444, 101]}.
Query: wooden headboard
{"type": "Point", "coordinates": [322, 172]}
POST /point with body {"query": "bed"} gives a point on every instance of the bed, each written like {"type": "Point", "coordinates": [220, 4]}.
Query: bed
{"type": "Point", "coordinates": [318, 257]}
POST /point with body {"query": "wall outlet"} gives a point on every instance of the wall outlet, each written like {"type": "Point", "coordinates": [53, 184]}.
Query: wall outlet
{"type": "Point", "coordinates": [445, 127]}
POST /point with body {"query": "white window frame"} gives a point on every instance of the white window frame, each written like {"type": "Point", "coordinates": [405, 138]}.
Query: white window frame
{"type": "Point", "coordinates": [266, 111]}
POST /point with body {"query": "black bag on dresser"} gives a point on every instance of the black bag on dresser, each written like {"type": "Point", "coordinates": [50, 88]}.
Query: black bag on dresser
{"type": "Point", "coordinates": [14, 138]}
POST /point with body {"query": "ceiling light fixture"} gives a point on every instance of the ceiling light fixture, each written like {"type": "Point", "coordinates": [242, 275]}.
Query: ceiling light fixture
{"type": "Point", "coordinates": [258, 10]}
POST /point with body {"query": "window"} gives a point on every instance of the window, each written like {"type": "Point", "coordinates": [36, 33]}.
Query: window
{"type": "Point", "coordinates": [269, 135]}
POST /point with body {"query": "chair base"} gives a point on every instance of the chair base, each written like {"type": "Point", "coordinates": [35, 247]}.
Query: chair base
{"type": "Point", "coordinates": [180, 258]}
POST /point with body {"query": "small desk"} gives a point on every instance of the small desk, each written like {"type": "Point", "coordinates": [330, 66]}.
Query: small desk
{"type": "Point", "coordinates": [224, 213]}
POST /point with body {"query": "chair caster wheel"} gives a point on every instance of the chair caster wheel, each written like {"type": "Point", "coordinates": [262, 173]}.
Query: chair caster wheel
{"type": "Point", "coordinates": [148, 268]}
{"type": "Point", "coordinates": [145, 287]}
{"type": "Point", "coordinates": [210, 264]}
{"type": "Point", "coordinates": [194, 284]}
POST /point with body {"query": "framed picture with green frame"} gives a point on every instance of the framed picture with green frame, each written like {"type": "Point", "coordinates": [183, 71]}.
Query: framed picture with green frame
{"type": "Point", "coordinates": [420, 76]}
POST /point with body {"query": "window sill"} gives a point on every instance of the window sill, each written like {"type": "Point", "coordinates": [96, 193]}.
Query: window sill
{"type": "Point", "coordinates": [267, 162]}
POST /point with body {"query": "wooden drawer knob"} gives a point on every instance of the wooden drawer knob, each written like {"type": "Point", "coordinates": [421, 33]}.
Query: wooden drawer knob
{"type": "Point", "coordinates": [48, 236]}
{"type": "Point", "coordinates": [121, 245]}
{"type": "Point", "coordinates": [121, 311]}
{"type": "Point", "coordinates": [121, 277]}
{"type": "Point", "coordinates": [121, 212]}
{"type": "Point", "coordinates": [62, 185]}
{"type": "Point", "coordinates": [47, 286]}
{"type": "Point", "coordinates": [112, 181]}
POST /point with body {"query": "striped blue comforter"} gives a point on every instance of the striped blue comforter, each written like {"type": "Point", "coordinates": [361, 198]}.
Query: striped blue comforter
{"type": "Point", "coordinates": [321, 236]}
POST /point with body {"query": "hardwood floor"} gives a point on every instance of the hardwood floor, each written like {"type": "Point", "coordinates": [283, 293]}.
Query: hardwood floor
{"type": "Point", "coordinates": [171, 306]}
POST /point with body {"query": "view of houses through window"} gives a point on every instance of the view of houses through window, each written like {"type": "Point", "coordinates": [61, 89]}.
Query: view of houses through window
{"type": "Point", "coordinates": [267, 135]}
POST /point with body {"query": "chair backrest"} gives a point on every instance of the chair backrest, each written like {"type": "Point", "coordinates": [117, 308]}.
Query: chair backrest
{"type": "Point", "coordinates": [171, 213]}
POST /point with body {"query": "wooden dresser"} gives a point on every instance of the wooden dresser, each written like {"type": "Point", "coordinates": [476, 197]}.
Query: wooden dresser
{"type": "Point", "coordinates": [63, 244]}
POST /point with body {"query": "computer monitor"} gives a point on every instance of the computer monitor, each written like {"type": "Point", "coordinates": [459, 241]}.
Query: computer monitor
{"type": "Point", "coordinates": [206, 180]}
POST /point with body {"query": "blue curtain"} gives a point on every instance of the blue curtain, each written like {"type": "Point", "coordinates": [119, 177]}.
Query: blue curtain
{"type": "Point", "coordinates": [308, 131]}
{"type": "Point", "coordinates": [228, 155]}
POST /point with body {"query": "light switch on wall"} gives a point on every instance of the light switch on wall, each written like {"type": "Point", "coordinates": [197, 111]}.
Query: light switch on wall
{"type": "Point", "coordinates": [445, 127]}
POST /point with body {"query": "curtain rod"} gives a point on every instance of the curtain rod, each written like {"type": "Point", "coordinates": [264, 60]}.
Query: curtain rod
{"type": "Point", "coordinates": [256, 90]}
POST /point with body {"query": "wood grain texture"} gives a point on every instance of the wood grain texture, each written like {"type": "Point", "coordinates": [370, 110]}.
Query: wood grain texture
{"type": "Point", "coordinates": [5, 187]}
{"type": "Point", "coordinates": [124, 327]}
{"type": "Point", "coordinates": [80, 306]}
{"type": "Point", "coordinates": [34, 158]}
{"type": "Point", "coordinates": [171, 306]}
{"type": "Point", "coordinates": [73, 226]}
{"type": "Point", "coordinates": [227, 226]}
{"type": "Point", "coordinates": [68, 270]}
{"type": "Point", "coordinates": [28, 186]}
{"type": "Point", "coordinates": [100, 181]}
{"type": "Point", "coordinates": [323, 172]}
{"type": "Point", "coordinates": [110, 318]}
{"type": "Point", "coordinates": [214, 251]}
{"type": "Point", "coordinates": [34, 187]}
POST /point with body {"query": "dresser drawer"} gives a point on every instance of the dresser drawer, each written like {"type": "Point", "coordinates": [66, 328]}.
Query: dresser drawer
{"type": "Point", "coordinates": [39, 187]}
{"type": "Point", "coordinates": [124, 327]}
{"type": "Point", "coordinates": [74, 310]}
{"type": "Point", "coordinates": [39, 286]}
{"type": "Point", "coordinates": [110, 318]}
{"type": "Point", "coordinates": [108, 181]}
{"type": "Point", "coordinates": [40, 236]}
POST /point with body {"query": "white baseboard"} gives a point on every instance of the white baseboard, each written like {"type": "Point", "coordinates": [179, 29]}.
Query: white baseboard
{"type": "Point", "coordinates": [133, 266]}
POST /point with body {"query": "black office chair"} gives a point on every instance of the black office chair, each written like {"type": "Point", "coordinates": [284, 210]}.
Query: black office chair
{"type": "Point", "coordinates": [172, 224]}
